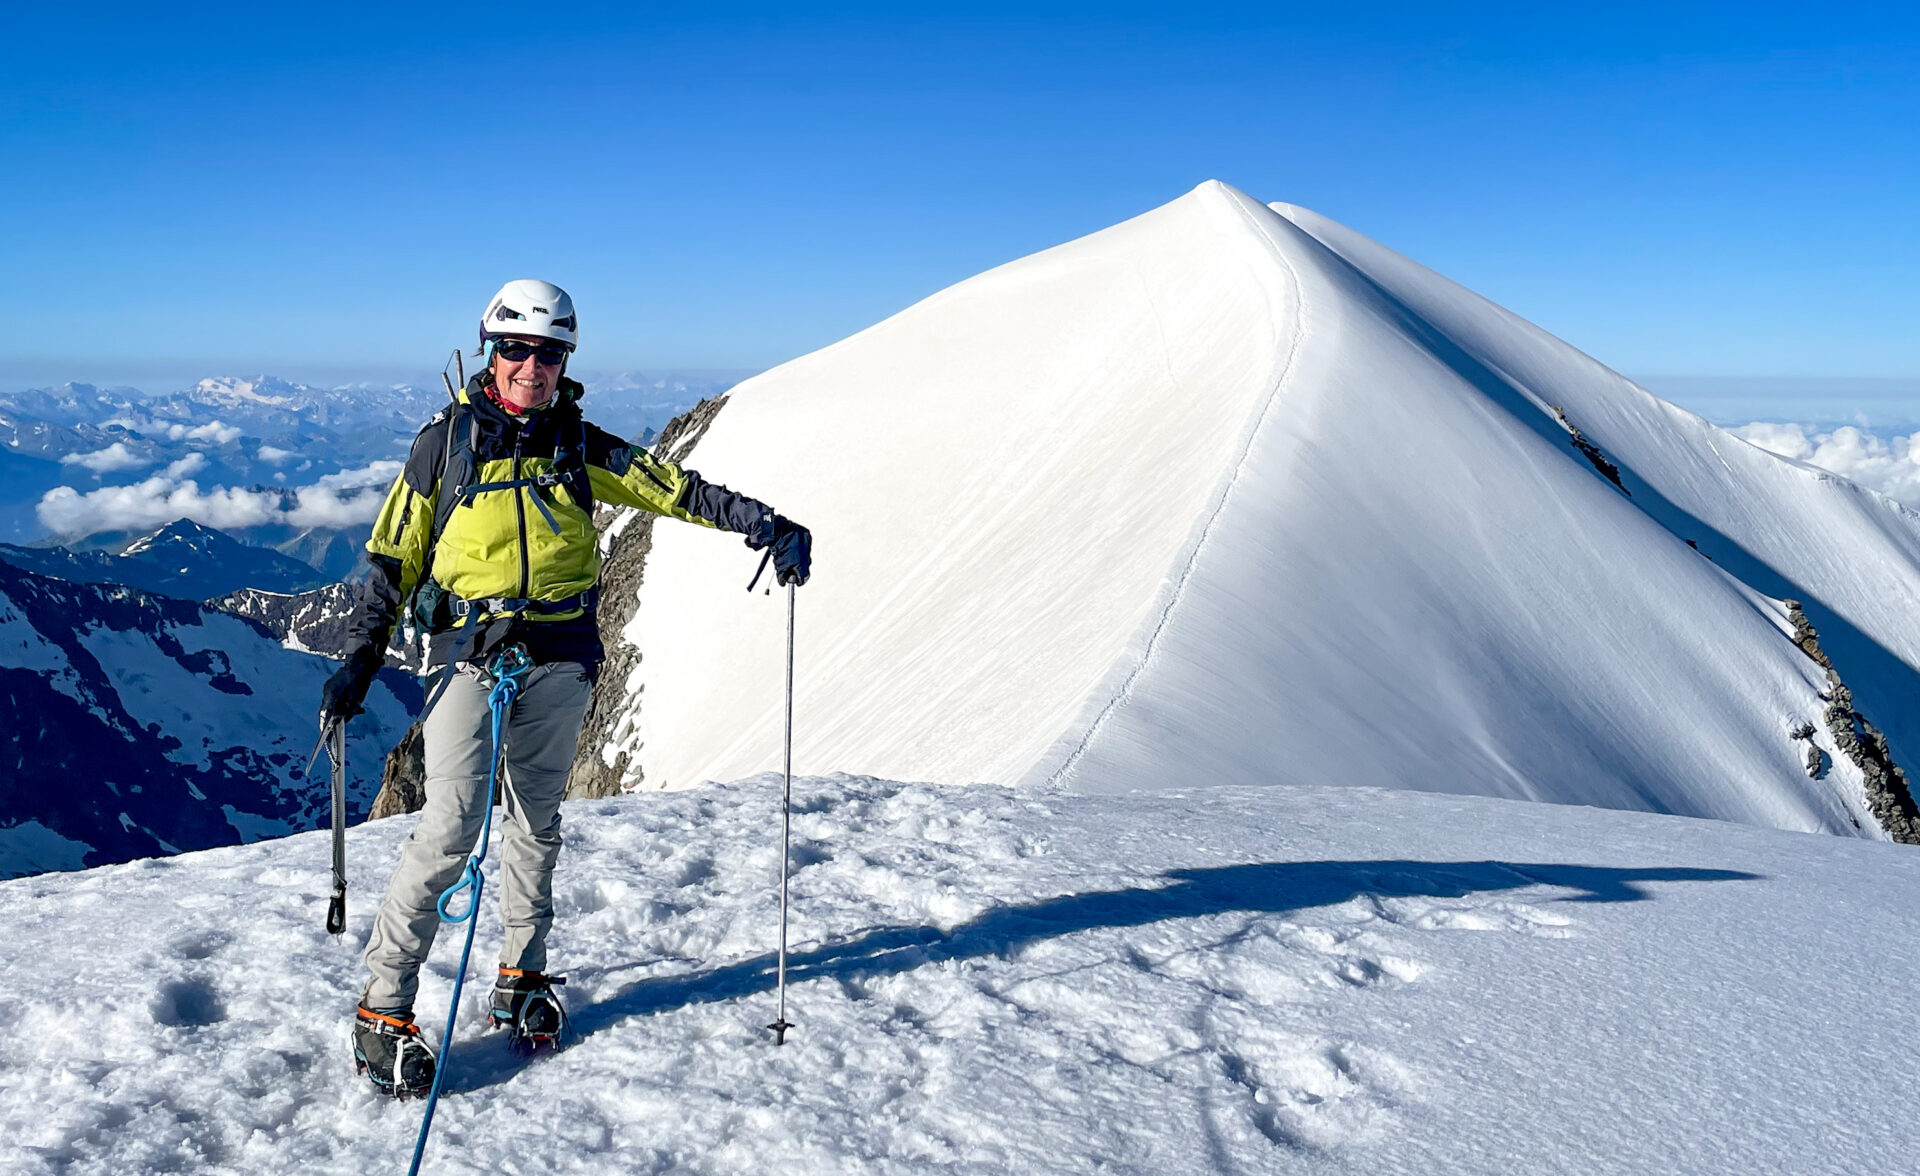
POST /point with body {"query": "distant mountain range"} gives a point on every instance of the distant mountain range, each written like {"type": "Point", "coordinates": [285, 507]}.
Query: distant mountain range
{"type": "Point", "coordinates": [171, 724]}
{"type": "Point", "coordinates": [246, 437]}
{"type": "Point", "coordinates": [182, 559]}
{"type": "Point", "coordinates": [140, 725]}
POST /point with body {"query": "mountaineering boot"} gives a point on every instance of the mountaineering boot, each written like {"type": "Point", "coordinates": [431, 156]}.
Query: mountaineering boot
{"type": "Point", "coordinates": [525, 1003]}
{"type": "Point", "coordinates": [388, 1049]}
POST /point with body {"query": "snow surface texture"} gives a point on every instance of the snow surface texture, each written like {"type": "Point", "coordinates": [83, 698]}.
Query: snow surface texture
{"type": "Point", "coordinates": [1238, 489]}
{"type": "Point", "coordinates": [1221, 980]}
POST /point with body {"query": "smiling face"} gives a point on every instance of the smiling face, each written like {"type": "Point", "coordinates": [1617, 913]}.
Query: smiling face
{"type": "Point", "coordinates": [527, 383]}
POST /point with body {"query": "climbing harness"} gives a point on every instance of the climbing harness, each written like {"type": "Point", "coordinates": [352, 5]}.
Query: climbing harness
{"type": "Point", "coordinates": [508, 669]}
{"type": "Point", "coordinates": [473, 613]}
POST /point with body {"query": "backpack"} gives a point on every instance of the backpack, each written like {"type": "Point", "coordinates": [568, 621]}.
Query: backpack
{"type": "Point", "coordinates": [431, 605]}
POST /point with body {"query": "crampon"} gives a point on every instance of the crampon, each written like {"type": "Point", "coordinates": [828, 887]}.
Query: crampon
{"type": "Point", "coordinates": [527, 1007]}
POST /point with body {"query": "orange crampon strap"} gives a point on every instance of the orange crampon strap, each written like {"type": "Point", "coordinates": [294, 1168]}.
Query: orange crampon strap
{"type": "Point", "coordinates": [404, 1024]}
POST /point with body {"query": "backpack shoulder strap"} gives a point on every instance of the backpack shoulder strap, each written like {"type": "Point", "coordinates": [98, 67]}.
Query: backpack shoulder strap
{"type": "Point", "coordinates": [456, 471]}
{"type": "Point", "coordinates": [570, 460]}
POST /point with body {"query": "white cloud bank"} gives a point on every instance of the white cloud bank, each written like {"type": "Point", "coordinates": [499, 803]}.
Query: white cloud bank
{"type": "Point", "coordinates": [348, 498]}
{"type": "Point", "coordinates": [218, 432]}
{"type": "Point", "coordinates": [113, 458]}
{"type": "Point", "coordinates": [1889, 465]}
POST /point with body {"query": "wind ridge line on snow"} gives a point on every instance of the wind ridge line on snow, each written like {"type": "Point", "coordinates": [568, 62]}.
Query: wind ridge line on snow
{"type": "Point", "coordinates": [1125, 691]}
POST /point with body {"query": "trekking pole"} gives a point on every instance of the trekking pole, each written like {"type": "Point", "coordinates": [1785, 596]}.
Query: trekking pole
{"type": "Point", "coordinates": [337, 908]}
{"type": "Point", "coordinates": [780, 1024]}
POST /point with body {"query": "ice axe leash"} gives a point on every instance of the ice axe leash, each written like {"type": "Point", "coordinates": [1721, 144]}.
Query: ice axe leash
{"type": "Point", "coordinates": [509, 668]}
{"type": "Point", "coordinates": [333, 738]}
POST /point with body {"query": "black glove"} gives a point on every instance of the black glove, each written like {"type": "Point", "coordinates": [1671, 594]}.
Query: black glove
{"type": "Point", "coordinates": [792, 546]}
{"type": "Point", "coordinates": [342, 696]}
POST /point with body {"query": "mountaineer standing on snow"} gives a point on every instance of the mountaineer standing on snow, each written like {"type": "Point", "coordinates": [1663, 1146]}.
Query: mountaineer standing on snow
{"type": "Point", "coordinates": [487, 539]}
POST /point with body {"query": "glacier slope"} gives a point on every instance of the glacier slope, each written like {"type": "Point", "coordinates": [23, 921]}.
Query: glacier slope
{"type": "Point", "coordinates": [1791, 530]}
{"type": "Point", "coordinates": [1196, 489]}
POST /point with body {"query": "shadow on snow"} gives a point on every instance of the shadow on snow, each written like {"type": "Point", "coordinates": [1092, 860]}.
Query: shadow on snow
{"type": "Point", "coordinates": [1259, 888]}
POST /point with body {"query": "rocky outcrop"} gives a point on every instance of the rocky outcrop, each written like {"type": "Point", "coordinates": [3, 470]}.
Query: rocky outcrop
{"type": "Point", "coordinates": [403, 782]}
{"type": "Point", "coordinates": [1817, 761]}
{"type": "Point", "coordinates": [1590, 451]}
{"type": "Point", "coordinates": [620, 578]}
{"type": "Point", "coordinates": [402, 789]}
{"type": "Point", "coordinates": [1889, 796]}
{"type": "Point", "coordinates": [314, 621]}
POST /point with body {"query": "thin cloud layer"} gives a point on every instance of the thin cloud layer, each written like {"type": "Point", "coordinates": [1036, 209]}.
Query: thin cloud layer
{"type": "Point", "coordinates": [1889, 465]}
{"type": "Point", "coordinates": [349, 498]}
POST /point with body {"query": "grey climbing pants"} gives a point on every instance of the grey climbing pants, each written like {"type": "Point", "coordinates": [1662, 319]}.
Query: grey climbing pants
{"type": "Point", "coordinates": [540, 735]}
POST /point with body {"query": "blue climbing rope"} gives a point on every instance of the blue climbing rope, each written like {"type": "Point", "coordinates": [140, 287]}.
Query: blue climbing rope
{"type": "Point", "coordinates": [508, 667]}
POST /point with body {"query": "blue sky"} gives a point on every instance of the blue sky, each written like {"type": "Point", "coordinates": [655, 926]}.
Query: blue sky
{"type": "Point", "coordinates": [332, 192]}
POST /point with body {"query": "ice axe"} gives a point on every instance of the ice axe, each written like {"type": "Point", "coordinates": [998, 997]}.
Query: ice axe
{"type": "Point", "coordinates": [333, 738]}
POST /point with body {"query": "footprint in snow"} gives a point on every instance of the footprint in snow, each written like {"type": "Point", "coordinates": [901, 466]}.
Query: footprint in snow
{"type": "Point", "coordinates": [1516, 917]}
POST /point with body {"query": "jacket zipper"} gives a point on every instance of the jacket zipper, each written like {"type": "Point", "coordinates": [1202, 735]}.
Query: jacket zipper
{"type": "Point", "coordinates": [520, 509]}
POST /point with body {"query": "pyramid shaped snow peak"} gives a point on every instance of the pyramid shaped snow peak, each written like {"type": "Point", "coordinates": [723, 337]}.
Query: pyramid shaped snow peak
{"type": "Point", "coordinates": [1227, 494]}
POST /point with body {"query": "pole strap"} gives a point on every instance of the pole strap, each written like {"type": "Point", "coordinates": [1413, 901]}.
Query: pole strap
{"type": "Point", "coordinates": [763, 570]}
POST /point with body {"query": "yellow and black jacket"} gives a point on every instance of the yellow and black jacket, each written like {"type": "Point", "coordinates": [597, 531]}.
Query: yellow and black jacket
{"type": "Point", "coordinates": [493, 515]}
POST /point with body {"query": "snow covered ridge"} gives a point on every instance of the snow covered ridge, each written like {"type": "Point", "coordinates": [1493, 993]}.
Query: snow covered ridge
{"type": "Point", "coordinates": [1233, 487]}
{"type": "Point", "coordinates": [139, 725]}
{"type": "Point", "coordinates": [1167, 983]}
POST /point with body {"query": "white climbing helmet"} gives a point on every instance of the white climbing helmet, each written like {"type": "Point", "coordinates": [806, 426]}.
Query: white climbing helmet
{"type": "Point", "coordinates": [528, 306]}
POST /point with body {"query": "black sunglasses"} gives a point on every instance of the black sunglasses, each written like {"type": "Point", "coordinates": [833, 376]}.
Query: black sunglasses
{"type": "Point", "coordinates": [516, 350]}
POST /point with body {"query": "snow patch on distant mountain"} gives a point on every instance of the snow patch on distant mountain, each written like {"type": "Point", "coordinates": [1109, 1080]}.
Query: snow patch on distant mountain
{"type": "Point", "coordinates": [269, 390]}
{"type": "Point", "coordinates": [32, 848]}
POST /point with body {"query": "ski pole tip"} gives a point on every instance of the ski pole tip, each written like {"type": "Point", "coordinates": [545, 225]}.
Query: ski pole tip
{"type": "Point", "coordinates": [780, 1031]}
